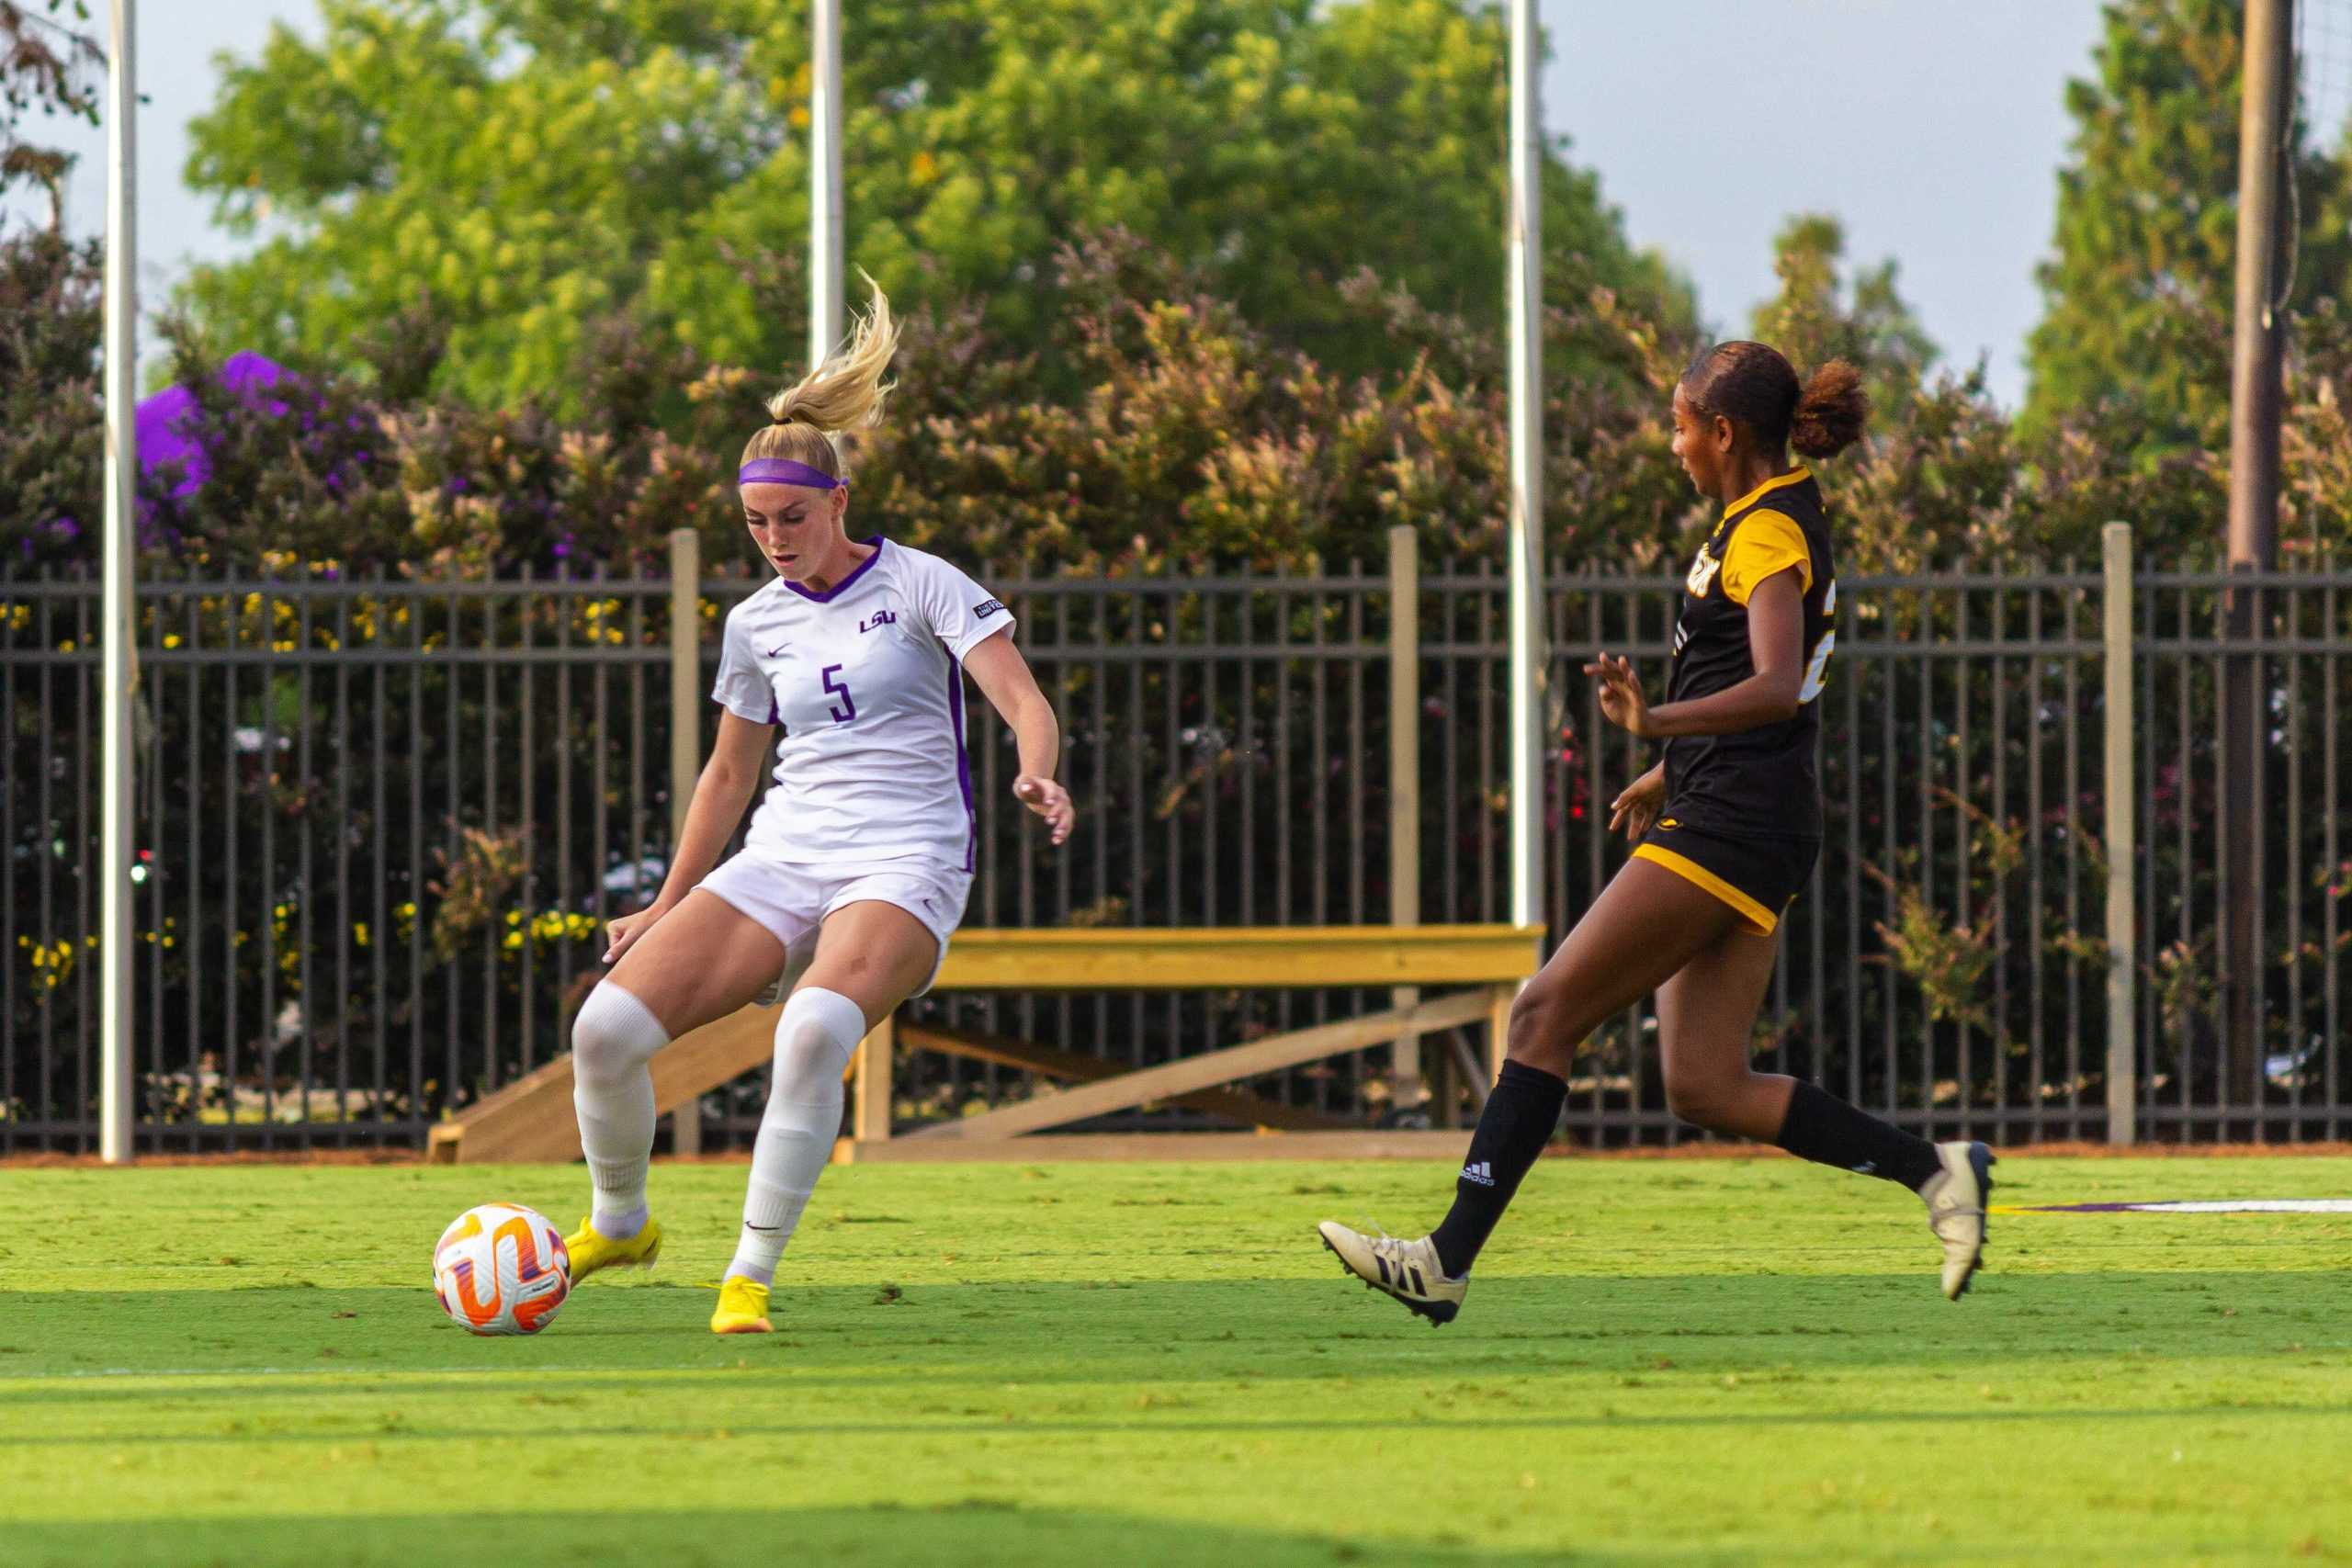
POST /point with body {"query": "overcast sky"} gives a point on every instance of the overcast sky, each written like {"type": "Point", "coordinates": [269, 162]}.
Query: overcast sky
{"type": "Point", "coordinates": [1933, 130]}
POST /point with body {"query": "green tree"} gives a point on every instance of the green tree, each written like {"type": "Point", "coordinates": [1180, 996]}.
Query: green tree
{"type": "Point", "coordinates": [1820, 315]}
{"type": "Point", "coordinates": [2136, 330]}
{"type": "Point", "coordinates": [531, 164]}
{"type": "Point", "coordinates": [49, 66]}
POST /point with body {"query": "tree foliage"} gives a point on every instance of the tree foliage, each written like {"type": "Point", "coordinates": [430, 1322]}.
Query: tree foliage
{"type": "Point", "coordinates": [531, 165]}
{"type": "Point", "coordinates": [2135, 336]}
{"type": "Point", "coordinates": [1819, 314]}
{"type": "Point", "coordinates": [47, 64]}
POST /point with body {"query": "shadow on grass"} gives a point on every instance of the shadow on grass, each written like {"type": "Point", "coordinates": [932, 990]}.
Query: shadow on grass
{"type": "Point", "coordinates": [953, 1534]}
{"type": "Point", "coordinates": [1405, 1427]}
{"type": "Point", "coordinates": [1143, 1333]}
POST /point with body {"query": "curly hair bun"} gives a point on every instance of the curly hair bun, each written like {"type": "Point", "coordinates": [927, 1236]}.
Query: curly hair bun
{"type": "Point", "coordinates": [1830, 411]}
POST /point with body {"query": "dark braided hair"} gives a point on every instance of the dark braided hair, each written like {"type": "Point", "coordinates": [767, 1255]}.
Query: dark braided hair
{"type": "Point", "coordinates": [1752, 386]}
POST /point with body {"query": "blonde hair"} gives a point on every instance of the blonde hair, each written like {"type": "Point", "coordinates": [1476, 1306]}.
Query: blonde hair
{"type": "Point", "coordinates": [843, 394]}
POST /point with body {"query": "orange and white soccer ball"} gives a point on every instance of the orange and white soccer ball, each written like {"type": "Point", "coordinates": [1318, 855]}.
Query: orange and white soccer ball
{"type": "Point", "coordinates": [502, 1268]}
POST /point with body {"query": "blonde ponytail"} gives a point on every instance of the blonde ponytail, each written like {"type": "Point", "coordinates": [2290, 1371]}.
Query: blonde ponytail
{"type": "Point", "coordinates": [844, 393]}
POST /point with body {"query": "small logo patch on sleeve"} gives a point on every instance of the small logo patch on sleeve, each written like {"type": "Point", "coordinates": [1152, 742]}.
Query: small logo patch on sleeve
{"type": "Point", "coordinates": [987, 607]}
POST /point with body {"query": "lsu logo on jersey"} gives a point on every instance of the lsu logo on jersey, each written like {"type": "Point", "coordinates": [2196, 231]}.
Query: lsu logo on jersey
{"type": "Point", "coordinates": [1702, 572]}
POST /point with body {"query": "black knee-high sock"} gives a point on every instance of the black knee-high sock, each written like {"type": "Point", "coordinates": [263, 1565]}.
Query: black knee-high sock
{"type": "Point", "coordinates": [1517, 1121]}
{"type": "Point", "coordinates": [1824, 1129]}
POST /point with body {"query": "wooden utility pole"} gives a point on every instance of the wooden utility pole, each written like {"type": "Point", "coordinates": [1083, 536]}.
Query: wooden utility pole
{"type": "Point", "coordinates": [2264, 126]}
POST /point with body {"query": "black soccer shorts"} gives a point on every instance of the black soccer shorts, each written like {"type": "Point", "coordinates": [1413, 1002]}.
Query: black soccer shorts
{"type": "Point", "coordinates": [1759, 877]}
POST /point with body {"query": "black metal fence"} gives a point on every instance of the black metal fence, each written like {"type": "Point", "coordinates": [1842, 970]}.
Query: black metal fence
{"type": "Point", "coordinates": [382, 822]}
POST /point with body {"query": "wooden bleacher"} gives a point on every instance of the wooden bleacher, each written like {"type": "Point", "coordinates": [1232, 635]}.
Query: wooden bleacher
{"type": "Point", "coordinates": [532, 1118]}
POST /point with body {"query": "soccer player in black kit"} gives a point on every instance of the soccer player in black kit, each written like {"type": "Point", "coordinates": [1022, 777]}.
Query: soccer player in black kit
{"type": "Point", "coordinates": [1726, 829]}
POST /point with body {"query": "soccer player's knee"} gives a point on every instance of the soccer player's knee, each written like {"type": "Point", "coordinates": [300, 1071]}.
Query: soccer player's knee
{"type": "Point", "coordinates": [1546, 1028]}
{"type": "Point", "coordinates": [814, 1039]}
{"type": "Point", "coordinates": [1530, 1010]}
{"type": "Point", "coordinates": [613, 1034]}
{"type": "Point", "coordinates": [1702, 1099]}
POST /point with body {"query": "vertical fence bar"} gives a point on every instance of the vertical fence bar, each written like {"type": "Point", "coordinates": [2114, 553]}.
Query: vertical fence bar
{"type": "Point", "coordinates": [685, 755]}
{"type": "Point", "coordinates": [1405, 785]}
{"type": "Point", "coordinates": [266, 1050]}
{"type": "Point", "coordinates": [8, 744]}
{"type": "Point", "coordinates": [192, 638]}
{"type": "Point", "coordinates": [86, 934]}
{"type": "Point", "coordinates": [488, 1079]}
{"type": "Point", "coordinates": [2122, 1085]}
{"type": "Point", "coordinates": [304, 982]}
{"type": "Point", "coordinates": [343, 769]}
{"type": "Point", "coordinates": [2329, 852]}
{"type": "Point", "coordinates": [379, 829]}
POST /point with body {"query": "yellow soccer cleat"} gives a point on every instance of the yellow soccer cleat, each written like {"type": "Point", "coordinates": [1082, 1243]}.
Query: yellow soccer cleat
{"type": "Point", "coordinates": [590, 1252]}
{"type": "Point", "coordinates": [742, 1307]}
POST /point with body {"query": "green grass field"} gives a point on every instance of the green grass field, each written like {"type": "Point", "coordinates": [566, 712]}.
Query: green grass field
{"type": "Point", "coordinates": [1725, 1361]}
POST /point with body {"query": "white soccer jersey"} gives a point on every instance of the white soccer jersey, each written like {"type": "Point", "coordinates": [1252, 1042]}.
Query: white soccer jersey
{"type": "Point", "coordinates": [866, 680]}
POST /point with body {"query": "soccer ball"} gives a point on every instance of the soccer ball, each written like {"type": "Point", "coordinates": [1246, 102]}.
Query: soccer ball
{"type": "Point", "coordinates": [502, 1268]}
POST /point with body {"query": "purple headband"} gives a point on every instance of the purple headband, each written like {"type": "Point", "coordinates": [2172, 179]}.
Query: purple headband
{"type": "Point", "coordinates": [785, 471]}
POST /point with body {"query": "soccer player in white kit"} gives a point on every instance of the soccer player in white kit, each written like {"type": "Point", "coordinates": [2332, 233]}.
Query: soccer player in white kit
{"type": "Point", "coordinates": [855, 873]}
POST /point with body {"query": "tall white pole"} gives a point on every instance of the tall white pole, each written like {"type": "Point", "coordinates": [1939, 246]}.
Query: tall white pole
{"type": "Point", "coordinates": [824, 181]}
{"type": "Point", "coordinates": [1526, 534]}
{"type": "Point", "coordinates": [118, 673]}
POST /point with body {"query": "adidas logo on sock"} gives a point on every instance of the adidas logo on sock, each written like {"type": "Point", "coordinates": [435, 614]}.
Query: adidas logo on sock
{"type": "Point", "coordinates": [1480, 1172]}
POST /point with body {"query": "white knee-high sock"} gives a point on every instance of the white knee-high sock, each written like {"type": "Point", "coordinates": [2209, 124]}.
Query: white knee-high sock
{"type": "Point", "coordinates": [611, 1039]}
{"type": "Point", "coordinates": [813, 1041]}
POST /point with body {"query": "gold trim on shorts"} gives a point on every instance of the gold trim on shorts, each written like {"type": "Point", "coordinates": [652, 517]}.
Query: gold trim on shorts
{"type": "Point", "coordinates": [1760, 920]}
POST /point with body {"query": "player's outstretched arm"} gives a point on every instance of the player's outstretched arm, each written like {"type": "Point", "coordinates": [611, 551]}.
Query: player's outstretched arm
{"type": "Point", "coordinates": [721, 792]}
{"type": "Point", "coordinates": [1005, 679]}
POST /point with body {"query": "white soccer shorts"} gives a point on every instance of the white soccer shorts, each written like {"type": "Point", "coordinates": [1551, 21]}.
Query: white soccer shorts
{"type": "Point", "coordinates": [792, 901]}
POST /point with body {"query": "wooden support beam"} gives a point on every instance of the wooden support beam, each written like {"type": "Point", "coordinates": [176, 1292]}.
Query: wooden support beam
{"type": "Point", "coordinates": [1233, 1104]}
{"type": "Point", "coordinates": [874, 1067]}
{"type": "Point", "coordinates": [1189, 1073]}
{"type": "Point", "coordinates": [1393, 1144]}
{"type": "Point", "coordinates": [1499, 1031]}
{"type": "Point", "coordinates": [1104, 958]}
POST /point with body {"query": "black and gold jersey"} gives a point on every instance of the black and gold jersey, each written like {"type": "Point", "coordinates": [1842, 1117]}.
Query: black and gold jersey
{"type": "Point", "coordinates": [1756, 782]}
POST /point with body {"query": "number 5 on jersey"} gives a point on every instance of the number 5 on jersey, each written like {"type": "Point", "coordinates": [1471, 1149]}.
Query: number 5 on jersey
{"type": "Point", "coordinates": [1818, 671]}
{"type": "Point", "coordinates": [846, 710]}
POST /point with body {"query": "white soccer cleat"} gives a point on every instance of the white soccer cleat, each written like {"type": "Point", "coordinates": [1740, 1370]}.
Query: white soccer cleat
{"type": "Point", "coordinates": [1406, 1269]}
{"type": "Point", "coordinates": [1957, 1198]}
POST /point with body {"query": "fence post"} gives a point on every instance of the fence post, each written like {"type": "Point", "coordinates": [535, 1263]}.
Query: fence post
{"type": "Point", "coordinates": [1404, 786]}
{"type": "Point", "coordinates": [2122, 944]}
{"type": "Point", "coordinates": [686, 741]}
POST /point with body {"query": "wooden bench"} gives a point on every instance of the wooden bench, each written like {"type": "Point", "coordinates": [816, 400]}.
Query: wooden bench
{"type": "Point", "coordinates": [532, 1118]}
